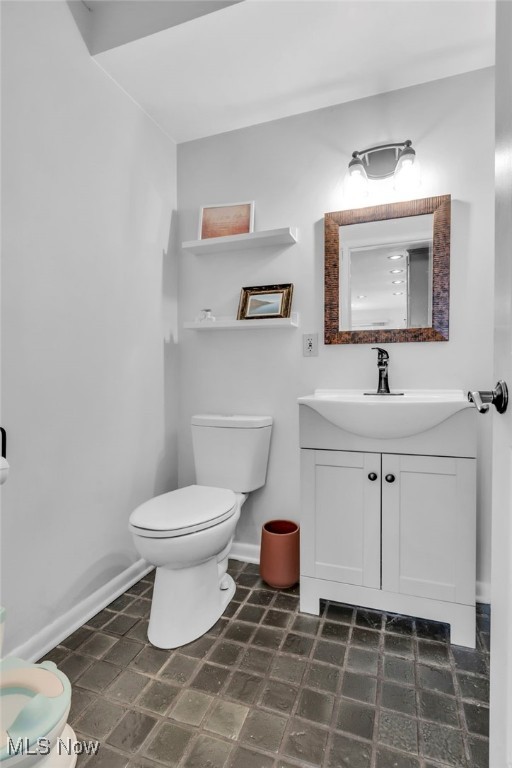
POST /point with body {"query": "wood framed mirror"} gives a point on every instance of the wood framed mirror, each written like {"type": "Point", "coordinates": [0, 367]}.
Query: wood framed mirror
{"type": "Point", "coordinates": [387, 273]}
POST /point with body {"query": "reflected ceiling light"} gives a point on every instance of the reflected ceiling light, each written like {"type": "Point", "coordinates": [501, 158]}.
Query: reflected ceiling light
{"type": "Point", "coordinates": [395, 271]}
{"type": "Point", "coordinates": [361, 297]}
{"type": "Point", "coordinates": [396, 256]}
{"type": "Point", "coordinates": [397, 160]}
{"type": "Point", "coordinates": [397, 282]}
{"type": "Point", "coordinates": [398, 293]}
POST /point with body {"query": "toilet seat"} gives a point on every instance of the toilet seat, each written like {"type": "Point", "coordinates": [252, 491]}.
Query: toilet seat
{"type": "Point", "coordinates": [186, 510]}
{"type": "Point", "coordinates": [48, 694]}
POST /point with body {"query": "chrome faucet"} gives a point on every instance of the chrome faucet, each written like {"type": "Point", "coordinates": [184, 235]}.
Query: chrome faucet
{"type": "Point", "coordinates": [382, 363]}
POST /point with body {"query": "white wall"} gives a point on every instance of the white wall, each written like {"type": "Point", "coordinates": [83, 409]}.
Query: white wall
{"type": "Point", "coordinates": [89, 310]}
{"type": "Point", "coordinates": [292, 168]}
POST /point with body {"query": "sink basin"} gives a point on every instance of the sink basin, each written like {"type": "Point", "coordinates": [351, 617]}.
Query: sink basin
{"type": "Point", "coordinates": [386, 416]}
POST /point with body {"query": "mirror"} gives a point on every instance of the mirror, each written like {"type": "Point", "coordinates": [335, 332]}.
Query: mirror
{"type": "Point", "coordinates": [387, 273]}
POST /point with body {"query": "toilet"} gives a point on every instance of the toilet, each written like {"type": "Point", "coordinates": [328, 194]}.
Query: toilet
{"type": "Point", "coordinates": [187, 533]}
{"type": "Point", "coordinates": [34, 707]}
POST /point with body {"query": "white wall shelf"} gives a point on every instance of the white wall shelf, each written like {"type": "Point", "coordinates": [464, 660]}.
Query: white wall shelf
{"type": "Point", "coordinates": [228, 324]}
{"type": "Point", "coordinates": [263, 239]}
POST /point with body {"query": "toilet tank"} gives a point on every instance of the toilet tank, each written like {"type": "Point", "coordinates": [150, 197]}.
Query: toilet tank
{"type": "Point", "coordinates": [231, 451]}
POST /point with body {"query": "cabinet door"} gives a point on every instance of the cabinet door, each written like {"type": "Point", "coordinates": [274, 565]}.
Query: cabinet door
{"type": "Point", "coordinates": [344, 543]}
{"type": "Point", "coordinates": [428, 527]}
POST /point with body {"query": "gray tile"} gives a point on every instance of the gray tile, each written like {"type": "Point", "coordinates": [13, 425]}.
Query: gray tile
{"type": "Point", "coordinates": [100, 718]}
{"type": "Point", "coordinates": [366, 638]}
{"type": "Point", "coordinates": [436, 679]}
{"type": "Point", "coordinates": [256, 660]}
{"type": "Point", "coordinates": [210, 678]}
{"type": "Point", "coordinates": [100, 619]}
{"type": "Point", "coordinates": [140, 608]}
{"type": "Point", "coordinates": [226, 719]}
{"type": "Point", "coordinates": [249, 758]}
{"type": "Point", "coordinates": [469, 660]}
{"type": "Point", "coordinates": [130, 733]}
{"type": "Point", "coordinates": [137, 589]}
{"type": "Point", "coordinates": [76, 639]}
{"type": "Point", "coordinates": [123, 651]}
{"type": "Point", "coordinates": [267, 637]}
{"type": "Point", "coordinates": [97, 645]}
{"type": "Point", "coordinates": [241, 593]}
{"type": "Point", "coordinates": [244, 687]}
{"type": "Point", "coordinates": [239, 631]}
{"type": "Point", "coordinates": [74, 665]}
{"type": "Point", "coordinates": [389, 759]}
{"type": "Point", "coordinates": [150, 660]}
{"type": "Point", "coordinates": [290, 668]}
{"type": "Point", "coordinates": [127, 686]}
{"type": "Point", "coordinates": [443, 744]}
{"type": "Point", "coordinates": [57, 655]}
{"type": "Point", "coordinates": [356, 718]}
{"type": "Point", "coordinates": [263, 730]}
{"type": "Point", "coordinates": [396, 730]}
{"type": "Point", "coordinates": [361, 660]}
{"type": "Point", "coordinates": [330, 653]}
{"type": "Point", "coordinates": [169, 744]}
{"type": "Point", "coordinates": [369, 619]}
{"type": "Point", "coordinates": [98, 676]}
{"type": "Point", "coordinates": [479, 750]}
{"type": "Point", "coordinates": [249, 580]}
{"type": "Point", "coordinates": [107, 758]}
{"type": "Point", "coordinates": [399, 669]}
{"type": "Point", "coordinates": [251, 613]}
{"type": "Point", "coordinates": [433, 630]}
{"type": "Point", "coordinates": [477, 719]}
{"type": "Point", "coordinates": [323, 676]}
{"type": "Point", "coordinates": [219, 627]}
{"type": "Point", "coordinates": [438, 707]}
{"type": "Point", "coordinates": [279, 696]}
{"type": "Point", "coordinates": [139, 631]}
{"type": "Point", "coordinates": [360, 687]}
{"type": "Point", "coordinates": [342, 613]}
{"type": "Point", "coordinates": [207, 752]}
{"type": "Point", "coordinates": [179, 669]}
{"type": "Point", "coordinates": [398, 698]}
{"type": "Point", "coordinates": [315, 705]}
{"type": "Point", "coordinates": [80, 699]}
{"type": "Point", "coordinates": [121, 624]}
{"type": "Point", "coordinates": [158, 697]}
{"type": "Point", "coordinates": [275, 618]}
{"type": "Point", "coordinates": [474, 687]}
{"type": "Point", "coordinates": [433, 653]}
{"type": "Point", "coordinates": [402, 625]}
{"type": "Point", "coordinates": [286, 602]}
{"type": "Point", "coordinates": [305, 743]}
{"type": "Point", "coordinates": [400, 645]}
{"type": "Point", "coordinates": [199, 648]}
{"type": "Point", "coordinates": [346, 752]}
{"type": "Point", "coordinates": [191, 707]}
{"type": "Point", "coordinates": [308, 625]}
{"type": "Point", "coordinates": [226, 653]}
{"type": "Point", "coordinates": [260, 597]}
{"type": "Point", "coordinates": [297, 644]}
{"type": "Point", "coordinates": [121, 602]}
{"type": "Point", "coordinates": [334, 631]}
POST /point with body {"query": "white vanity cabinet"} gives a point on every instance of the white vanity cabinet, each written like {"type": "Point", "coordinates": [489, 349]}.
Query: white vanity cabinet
{"type": "Point", "coordinates": [390, 524]}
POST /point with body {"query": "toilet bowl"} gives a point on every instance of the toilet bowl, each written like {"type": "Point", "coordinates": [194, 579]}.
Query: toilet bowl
{"type": "Point", "coordinates": [34, 707]}
{"type": "Point", "coordinates": [187, 533]}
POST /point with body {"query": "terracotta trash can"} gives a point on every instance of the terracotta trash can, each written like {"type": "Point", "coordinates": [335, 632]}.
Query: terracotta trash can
{"type": "Point", "coordinates": [279, 554]}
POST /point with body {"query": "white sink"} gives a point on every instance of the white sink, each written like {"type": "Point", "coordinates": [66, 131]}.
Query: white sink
{"type": "Point", "coordinates": [386, 416]}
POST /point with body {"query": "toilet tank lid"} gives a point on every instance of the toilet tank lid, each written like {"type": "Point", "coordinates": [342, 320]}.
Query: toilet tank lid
{"type": "Point", "coordinates": [235, 421]}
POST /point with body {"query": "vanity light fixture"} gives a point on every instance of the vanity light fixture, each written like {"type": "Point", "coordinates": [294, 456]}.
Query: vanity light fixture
{"type": "Point", "coordinates": [397, 160]}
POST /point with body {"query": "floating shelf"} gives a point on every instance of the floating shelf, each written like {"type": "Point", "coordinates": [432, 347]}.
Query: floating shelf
{"type": "Point", "coordinates": [283, 236]}
{"type": "Point", "coordinates": [228, 324]}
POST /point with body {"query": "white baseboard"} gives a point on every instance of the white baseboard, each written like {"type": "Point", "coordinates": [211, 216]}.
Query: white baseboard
{"type": "Point", "coordinates": [483, 592]}
{"type": "Point", "coordinates": [247, 553]}
{"type": "Point", "coordinates": [58, 630]}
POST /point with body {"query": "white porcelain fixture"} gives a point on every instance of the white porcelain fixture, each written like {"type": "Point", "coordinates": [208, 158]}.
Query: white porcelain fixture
{"type": "Point", "coordinates": [188, 533]}
{"type": "Point", "coordinates": [386, 416]}
{"type": "Point", "coordinates": [34, 706]}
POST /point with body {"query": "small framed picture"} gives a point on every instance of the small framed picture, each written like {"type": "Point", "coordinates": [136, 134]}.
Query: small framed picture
{"type": "Point", "coordinates": [227, 219]}
{"type": "Point", "coordinates": [265, 301]}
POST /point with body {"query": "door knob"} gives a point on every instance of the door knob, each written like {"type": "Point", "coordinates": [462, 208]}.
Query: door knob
{"type": "Point", "coordinates": [372, 476]}
{"type": "Point", "coordinates": [497, 397]}
{"type": "Point", "coordinates": [390, 478]}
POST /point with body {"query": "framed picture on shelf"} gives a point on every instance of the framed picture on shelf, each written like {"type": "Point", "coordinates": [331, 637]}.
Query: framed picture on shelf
{"type": "Point", "coordinates": [226, 219]}
{"type": "Point", "coordinates": [263, 301]}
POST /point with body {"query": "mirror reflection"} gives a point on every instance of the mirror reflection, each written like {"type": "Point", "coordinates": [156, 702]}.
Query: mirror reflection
{"type": "Point", "coordinates": [386, 274]}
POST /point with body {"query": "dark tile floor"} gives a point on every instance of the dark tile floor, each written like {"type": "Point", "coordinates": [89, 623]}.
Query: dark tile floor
{"type": "Point", "coordinates": [269, 687]}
